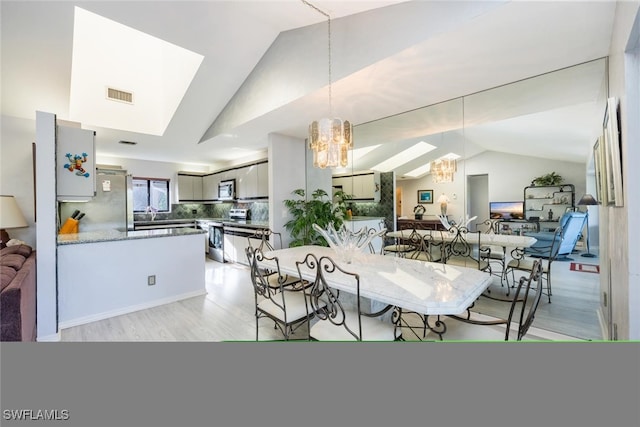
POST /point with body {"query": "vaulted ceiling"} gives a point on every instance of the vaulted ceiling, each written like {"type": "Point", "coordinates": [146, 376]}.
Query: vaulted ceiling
{"type": "Point", "coordinates": [264, 68]}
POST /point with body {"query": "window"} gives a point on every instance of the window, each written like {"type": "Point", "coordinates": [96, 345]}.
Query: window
{"type": "Point", "coordinates": [153, 192]}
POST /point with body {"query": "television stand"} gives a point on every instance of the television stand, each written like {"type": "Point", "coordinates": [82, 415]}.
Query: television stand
{"type": "Point", "coordinates": [517, 226]}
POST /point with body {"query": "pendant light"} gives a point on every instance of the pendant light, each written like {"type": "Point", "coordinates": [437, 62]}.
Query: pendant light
{"type": "Point", "coordinates": [329, 138]}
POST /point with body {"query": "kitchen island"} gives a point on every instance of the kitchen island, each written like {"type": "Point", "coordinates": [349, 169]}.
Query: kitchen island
{"type": "Point", "coordinates": [107, 273]}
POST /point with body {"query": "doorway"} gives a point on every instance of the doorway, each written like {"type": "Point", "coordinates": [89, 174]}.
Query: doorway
{"type": "Point", "coordinates": [477, 199]}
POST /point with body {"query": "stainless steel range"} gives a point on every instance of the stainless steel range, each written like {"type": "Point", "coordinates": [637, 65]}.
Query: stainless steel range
{"type": "Point", "coordinates": [216, 232]}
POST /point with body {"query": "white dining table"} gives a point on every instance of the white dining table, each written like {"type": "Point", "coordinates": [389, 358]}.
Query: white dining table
{"type": "Point", "coordinates": [488, 239]}
{"type": "Point", "coordinates": [427, 288]}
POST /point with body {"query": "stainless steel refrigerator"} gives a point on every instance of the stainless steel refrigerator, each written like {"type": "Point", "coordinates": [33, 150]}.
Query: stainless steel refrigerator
{"type": "Point", "coordinates": [110, 208]}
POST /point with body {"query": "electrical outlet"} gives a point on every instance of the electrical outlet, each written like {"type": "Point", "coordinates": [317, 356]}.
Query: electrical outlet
{"type": "Point", "coordinates": [151, 280]}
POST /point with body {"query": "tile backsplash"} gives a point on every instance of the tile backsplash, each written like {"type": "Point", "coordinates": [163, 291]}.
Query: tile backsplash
{"type": "Point", "coordinates": [259, 211]}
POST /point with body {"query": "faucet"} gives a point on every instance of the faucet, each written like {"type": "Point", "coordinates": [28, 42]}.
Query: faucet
{"type": "Point", "coordinates": [152, 211]}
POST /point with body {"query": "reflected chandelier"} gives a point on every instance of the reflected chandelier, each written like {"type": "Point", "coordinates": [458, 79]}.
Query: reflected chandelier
{"type": "Point", "coordinates": [329, 138]}
{"type": "Point", "coordinates": [442, 170]}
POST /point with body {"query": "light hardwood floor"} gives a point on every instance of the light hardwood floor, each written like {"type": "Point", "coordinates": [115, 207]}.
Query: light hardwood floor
{"type": "Point", "coordinates": [226, 313]}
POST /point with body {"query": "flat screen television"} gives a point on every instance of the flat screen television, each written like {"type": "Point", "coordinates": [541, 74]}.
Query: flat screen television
{"type": "Point", "coordinates": [506, 210]}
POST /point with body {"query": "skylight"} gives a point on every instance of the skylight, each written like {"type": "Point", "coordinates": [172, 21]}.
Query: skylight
{"type": "Point", "coordinates": [411, 153]}
{"type": "Point", "coordinates": [422, 170]}
{"type": "Point", "coordinates": [354, 155]}
{"type": "Point", "coordinates": [109, 56]}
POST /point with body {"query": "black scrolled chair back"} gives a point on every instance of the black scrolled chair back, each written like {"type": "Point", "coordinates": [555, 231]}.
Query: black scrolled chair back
{"type": "Point", "coordinates": [458, 246]}
{"type": "Point", "coordinates": [261, 285]}
{"type": "Point", "coordinates": [325, 300]}
{"type": "Point", "coordinates": [528, 303]}
{"type": "Point", "coordinates": [490, 226]}
{"type": "Point", "coordinates": [265, 235]}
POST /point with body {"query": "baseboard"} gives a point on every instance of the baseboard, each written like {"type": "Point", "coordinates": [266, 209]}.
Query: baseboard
{"type": "Point", "coordinates": [50, 338]}
{"type": "Point", "coordinates": [603, 324]}
{"type": "Point", "coordinates": [129, 309]}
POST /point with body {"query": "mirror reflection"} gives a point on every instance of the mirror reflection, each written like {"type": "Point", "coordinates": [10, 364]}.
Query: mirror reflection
{"type": "Point", "coordinates": [497, 142]}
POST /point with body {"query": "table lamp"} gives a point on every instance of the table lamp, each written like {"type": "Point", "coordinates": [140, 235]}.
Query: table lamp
{"type": "Point", "coordinates": [10, 217]}
{"type": "Point", "coordinates": [443, 200]}
{"type": "Point", "coordinates": [587, 200]}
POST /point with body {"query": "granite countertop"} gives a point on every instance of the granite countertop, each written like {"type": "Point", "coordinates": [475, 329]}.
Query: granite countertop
{"type": "Point", "coordinates": [165, 221]}
{"type": "Point", "coordinates": [364, 218]}
{"type": "Point", "coordinates": [113, 235]}
{"type": "Point", "coordinates": [246, 224]}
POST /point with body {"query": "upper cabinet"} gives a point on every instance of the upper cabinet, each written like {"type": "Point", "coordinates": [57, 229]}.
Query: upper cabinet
{"type": "Point", "coordinates": [210, 186]}
{"type": "Point", "coordinates": [263, 180]}
{"type": "Point", "coordinates": [363, 186]}
{"type": "Point", "coordinates": [76, 168]}
{"type": "Point", "coordinates": [190, 187]}
{"type": "Point", "coordinates": [253, 181]}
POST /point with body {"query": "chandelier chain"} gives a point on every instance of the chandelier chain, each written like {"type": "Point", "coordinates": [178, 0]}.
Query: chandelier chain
{"type": "Point", "coordinates": [328, 50]}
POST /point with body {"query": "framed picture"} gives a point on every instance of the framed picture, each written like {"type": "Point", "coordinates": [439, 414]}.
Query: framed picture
{"type": "Point", "coordinates": [425, 196]}
{"type": "Point", "coordinates": [600, 172]}
{"type": "Point", "coordinates": [612, 160]}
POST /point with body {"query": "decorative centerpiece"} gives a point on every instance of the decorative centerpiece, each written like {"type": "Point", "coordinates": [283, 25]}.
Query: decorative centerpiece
{"type": "Point", "coordinates": [346, 243]}
{"type": "Point", "coordinates": [419, 211]}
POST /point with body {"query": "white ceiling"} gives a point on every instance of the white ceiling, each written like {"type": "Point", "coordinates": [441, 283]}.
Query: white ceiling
{"type": "Point", "coordinates": [388, 57]}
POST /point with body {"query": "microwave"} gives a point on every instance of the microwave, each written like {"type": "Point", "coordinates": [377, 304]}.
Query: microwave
{"type": "Point", "coordinates": [227, 189]}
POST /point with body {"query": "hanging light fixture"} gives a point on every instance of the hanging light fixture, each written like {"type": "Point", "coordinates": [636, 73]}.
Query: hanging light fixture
{"type": "Point", "coordinates": [329, 138]}
{"type": "Point", "coordinates": [442, 170]}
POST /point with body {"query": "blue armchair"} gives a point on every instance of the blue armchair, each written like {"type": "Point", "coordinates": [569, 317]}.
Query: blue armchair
{"type": "Point", "coordinates": [571, 225]}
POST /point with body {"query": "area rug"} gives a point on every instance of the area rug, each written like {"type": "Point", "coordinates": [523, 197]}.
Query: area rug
{"type": "Point", "coordinates": [585, 268]}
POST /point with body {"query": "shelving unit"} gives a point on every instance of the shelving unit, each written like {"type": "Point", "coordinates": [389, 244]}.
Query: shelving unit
{"type": "Point", "coordinates": [548, 203]}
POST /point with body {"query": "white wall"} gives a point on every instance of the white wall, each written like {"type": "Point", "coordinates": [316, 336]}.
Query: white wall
{"type": "Point", "coordinates": [286, 173]}
{"type": "Point", "coordinates": [619, 271]}
{"type": "Point", "coordinates": [46, 258]}
{"type": "Point", "coordinates": [16, 171]}
{"type": "Point", "coordinates": [112, 279]}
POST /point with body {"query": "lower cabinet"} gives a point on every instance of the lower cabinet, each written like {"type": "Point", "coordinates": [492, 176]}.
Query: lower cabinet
{"type": "Point", "coordinates": [236, 241]}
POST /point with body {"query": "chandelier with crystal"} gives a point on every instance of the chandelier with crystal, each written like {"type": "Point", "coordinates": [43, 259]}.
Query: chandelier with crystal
{"type": "Point", "coordinates": [330, 138]}
{"type": "Point", "coordinates": [442, 170]}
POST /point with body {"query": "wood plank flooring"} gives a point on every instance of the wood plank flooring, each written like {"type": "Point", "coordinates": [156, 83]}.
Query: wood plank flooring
{"type": "Point", "coordinates": [226, 313]}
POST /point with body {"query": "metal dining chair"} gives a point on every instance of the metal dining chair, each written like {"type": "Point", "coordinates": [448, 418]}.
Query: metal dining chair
{"type": "Point", "coordinates": [521, 260]}
{"type": "Point", "coordinates": [286, 306]}
{"type": "Point", "coordinates": [340, 318]}
{"type": "Point", "coordinates": [464, 249]}
{"type": "Point", "coordinates": [522, 307]}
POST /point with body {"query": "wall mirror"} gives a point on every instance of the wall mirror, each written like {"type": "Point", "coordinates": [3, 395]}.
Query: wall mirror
{"type": "Point", "coordinates": [504, 137]}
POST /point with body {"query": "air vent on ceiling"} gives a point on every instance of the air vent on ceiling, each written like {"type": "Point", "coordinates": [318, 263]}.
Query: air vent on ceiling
{"type": "Point", "coordinates": [119, 95]}
{"type": "Point", "coordinates": [127, 142]}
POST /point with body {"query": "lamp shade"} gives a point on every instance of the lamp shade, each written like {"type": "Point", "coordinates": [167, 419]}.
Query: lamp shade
{"type": "Point", "coordinates": [10, 214]}
{"type": "Point", "coordinates": [587, 199]}
{"type": "Point", "coordinates": [443, 198]}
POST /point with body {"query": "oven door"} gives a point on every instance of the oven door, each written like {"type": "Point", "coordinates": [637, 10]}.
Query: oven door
{"type": "Point", "coordinates": [216, 242]}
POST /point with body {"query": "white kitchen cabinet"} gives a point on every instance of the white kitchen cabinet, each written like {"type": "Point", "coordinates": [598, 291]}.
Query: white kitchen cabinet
{"type": "Point", "coordinates": [76, 168]}
{"type": "Point", "coordinates": [263, 180]}
{"type": "Point", "coordinates": [189, 187]}
{"type": "Point", "coordinates": [247, 182]}
{"type": "Point", "coordinates": [363, 186]}
{"type": "Point", "coordinates": [229, 248]}
{"type": "Point", "coordinates": [210, 186]}
{"type": "Point", "coordinates": [344, 182]}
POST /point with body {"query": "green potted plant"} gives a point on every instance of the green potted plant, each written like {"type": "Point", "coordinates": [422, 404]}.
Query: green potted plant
{"type": "Point", "coordinates": [319, 210]}
{"type": "Point", "coordinates": [548, 179]}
